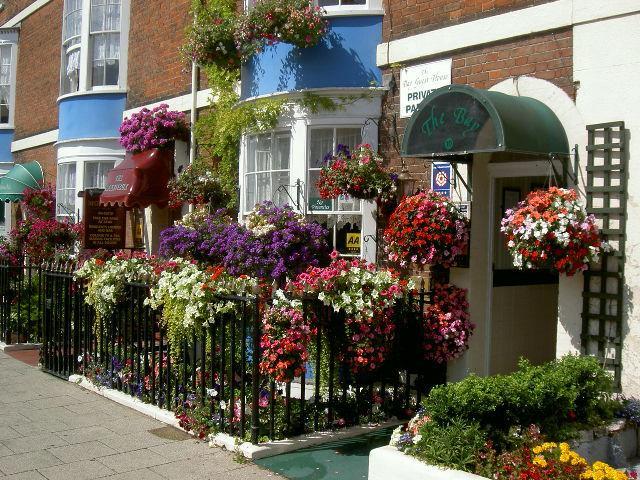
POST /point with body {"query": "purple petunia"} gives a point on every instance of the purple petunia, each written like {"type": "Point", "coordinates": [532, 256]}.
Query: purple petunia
{"type": "Point", "coordinates": [282, 245]}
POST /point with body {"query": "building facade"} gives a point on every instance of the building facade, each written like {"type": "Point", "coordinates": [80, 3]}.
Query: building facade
{"type": "Point", "coordinates": [71, 70]}
{"type": "Point", "coordinates": [561, 54]}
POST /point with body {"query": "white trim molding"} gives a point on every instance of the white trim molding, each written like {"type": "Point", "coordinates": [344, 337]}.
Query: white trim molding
{"type": "Point", "coordinates": [16, 19]}
{"type": "Point", "coordinates": [527, 21]}
{"type": "Point", "coordinates": [181, 103]}
{"type": "Point", "coordinates": [34, 141]}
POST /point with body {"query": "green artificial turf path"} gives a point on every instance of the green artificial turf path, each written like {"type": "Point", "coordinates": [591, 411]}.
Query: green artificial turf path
{"type": "Point", "coordinates": [346, 459]}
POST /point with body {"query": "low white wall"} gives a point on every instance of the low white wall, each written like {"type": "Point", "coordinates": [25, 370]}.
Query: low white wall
{"type": "Point", "coordinates": [386, 463]}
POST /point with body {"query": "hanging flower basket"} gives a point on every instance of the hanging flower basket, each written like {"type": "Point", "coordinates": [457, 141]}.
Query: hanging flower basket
{"type": "Point", "coordinates": [197, 185]}
{"type": "Point", "coordinates": [551, 229]}
{"type": "Point", "coordinates": [426, 229]}
{"type": "Point", "coordinates": [358, 174]}
{"type": "Point", "coordinates": [447, 325]}
{"type": "Point", "coordinates": [157, 128]}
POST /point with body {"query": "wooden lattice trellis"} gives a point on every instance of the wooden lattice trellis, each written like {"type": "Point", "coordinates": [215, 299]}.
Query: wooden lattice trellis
{"type": "Point", "coordinates": [603, 294]}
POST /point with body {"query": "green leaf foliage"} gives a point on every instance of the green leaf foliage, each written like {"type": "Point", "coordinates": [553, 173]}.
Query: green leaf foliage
{"type": "Point", "coordinates": [561, 397]}
{"type": "Point", "coordinates": [451, 445]}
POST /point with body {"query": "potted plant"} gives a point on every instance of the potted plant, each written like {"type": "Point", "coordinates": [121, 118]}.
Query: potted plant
{"type": "Point", "coordinates": [551, 229]}
{"type": "Point", "coordinates": [358, 174]}
{"type": "Point", "coordinates": [426, 229]}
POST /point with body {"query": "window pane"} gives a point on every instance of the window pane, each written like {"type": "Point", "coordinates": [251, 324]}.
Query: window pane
{"type": "Point", "coordinates": [105, 55]}
{"type": "Point", "coordinates": [252, 145]}
{"type": "Point", "coordinates": [264, 187]}
{"type": "Point", "coordinates": [282, 152]}
{"type": "Point", "coordinates": [250, 191]}
{"type": "Point", "coordinates": [349, 238]}
{"type": "Point", "coordinates": [320, 144]}
{"type": "Point", "coordinates": [95, 174]}
{"type": "Point", "coordinates": [280, 197]}
{"type": "Point", "coordinates": [314, 176]}
{"type": "Point", "coordinates": [5, 64]}
{"type": "Point", "coordinates": [347, 203]}
{"type": "Point", "coordinates": [328, 3]}
{"type": "Point", "coordinates": [349, 137]}
{"type": "Point", "coordinates": [353, 2]}
{"type": "Point", "coordinates": [66, 190]}
{"type": "Point", "coordinates": [263, 153]}
{"type": "Point", "coordinates": [71, 72]}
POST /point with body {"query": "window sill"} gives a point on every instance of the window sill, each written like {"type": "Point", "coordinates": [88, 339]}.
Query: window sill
{"type": "Point", "coordinates": [6, 126]}
{"type": "Point", "coordinates": [352, 12]}
{"type": "Point", "coordinates": [91, 92]}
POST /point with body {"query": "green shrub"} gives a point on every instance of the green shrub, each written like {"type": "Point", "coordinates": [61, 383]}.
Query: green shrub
{"type": "Point", "coordinates": [454, 445]}
{"type": "Point", "coordinates": [561, 397]}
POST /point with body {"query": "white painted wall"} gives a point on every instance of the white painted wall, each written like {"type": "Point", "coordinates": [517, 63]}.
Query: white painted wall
{"type": "Point", "coordinates": [607, 65]}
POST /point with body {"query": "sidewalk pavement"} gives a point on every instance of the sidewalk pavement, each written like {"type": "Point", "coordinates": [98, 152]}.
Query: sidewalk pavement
{"type": "Point", "coordinates": [52, 429]}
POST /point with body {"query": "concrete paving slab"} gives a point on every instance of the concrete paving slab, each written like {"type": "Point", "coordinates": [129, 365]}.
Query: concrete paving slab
{"type": "Point", "coordinates": [51, 429]}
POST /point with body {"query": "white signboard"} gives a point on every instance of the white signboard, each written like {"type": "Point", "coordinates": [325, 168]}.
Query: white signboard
{"type": "Point", "coordinates": [418, 81]}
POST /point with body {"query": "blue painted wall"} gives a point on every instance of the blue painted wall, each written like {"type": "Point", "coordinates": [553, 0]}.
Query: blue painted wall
{"type": "Point", "coordinates": [6, 137]}
{"type": "Point", "coordinates": [346, 57]}
{"type": "Point", "coordinates": [91, 116]}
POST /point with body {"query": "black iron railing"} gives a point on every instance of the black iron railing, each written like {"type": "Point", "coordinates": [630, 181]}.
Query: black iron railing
{"type": "Point", "coordinates": [21, 302]}
{"type": "Point", "coordinates": [214, 375]}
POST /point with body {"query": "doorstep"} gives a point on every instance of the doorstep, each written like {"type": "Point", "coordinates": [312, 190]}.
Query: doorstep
{"type": "Point", "coordinates": [247, 449]}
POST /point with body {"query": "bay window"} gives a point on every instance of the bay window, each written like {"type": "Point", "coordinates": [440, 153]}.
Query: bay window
{"type": "Point", "coordinates": [267, 174]}
{"type": "Point", "coordinates": [93, 43]}
{"type": "Point", "coordinates": [66, 191]}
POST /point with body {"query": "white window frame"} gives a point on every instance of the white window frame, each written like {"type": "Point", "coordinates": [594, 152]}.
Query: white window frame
{"type": "Point", "coordinates": [86, 58]}
{"type": "Point", "coordinates": [246, 174]}
{"type": "Point", "coordinates": [9, 36]}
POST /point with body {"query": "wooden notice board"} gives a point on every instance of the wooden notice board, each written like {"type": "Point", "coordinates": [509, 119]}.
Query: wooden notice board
{"type": "Point", "coordinates": [104, 226]}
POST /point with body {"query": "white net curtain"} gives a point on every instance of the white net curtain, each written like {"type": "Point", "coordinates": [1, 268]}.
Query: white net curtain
{"type": "Point", "coordinates": [105, 40]}
{"type": "Point", "coordinates": [5, 82]}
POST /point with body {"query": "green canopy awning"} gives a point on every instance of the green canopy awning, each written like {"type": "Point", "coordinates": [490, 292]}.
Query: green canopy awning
{"type": "Point", "coordinates": [458, 119]}
{"type": "Point", "coordinates": [18, 179]}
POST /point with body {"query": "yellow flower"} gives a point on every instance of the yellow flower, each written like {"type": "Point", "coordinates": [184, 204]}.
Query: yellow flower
{"type": "Point", "coordinates": [564, 457]}
{"type": "Point", "coordinates": [564, 447]}
{"type": "Point", "coordinates": [540, 461]}
{"type": "Point", "coordinates": [537, 449]}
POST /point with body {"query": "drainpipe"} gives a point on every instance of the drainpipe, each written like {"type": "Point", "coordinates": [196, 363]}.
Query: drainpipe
{"type": "Point", "coordinates": [195, 86]}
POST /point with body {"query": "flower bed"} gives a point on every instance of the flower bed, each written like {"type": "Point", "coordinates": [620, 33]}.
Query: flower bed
{"type": "Point", "coordinates": [499, 427]}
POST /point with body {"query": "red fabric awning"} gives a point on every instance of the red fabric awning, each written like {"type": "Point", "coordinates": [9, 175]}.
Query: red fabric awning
{"type": "Point", "coordinates": [140, 180]}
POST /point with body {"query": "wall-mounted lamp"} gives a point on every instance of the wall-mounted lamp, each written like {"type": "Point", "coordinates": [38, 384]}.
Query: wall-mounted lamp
{"type": "Point", "coordinates": [1, 6]}
{"type": "Point", "coordinates": [406, 181]}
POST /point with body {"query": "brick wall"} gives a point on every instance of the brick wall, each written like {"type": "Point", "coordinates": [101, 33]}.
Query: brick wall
{"type": "Point", "coordinates": [409, 17]}
{"type": "Point", "coordinates": [547, 56]}
{"type": "Point", "coordinates": [157, 71]}
{"type": "Point", "coordinates": [38, 73]}
{"type": "Point", "coordinates": [12, 8]}
{"type": "Point", "coordinates": [46, 155]}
